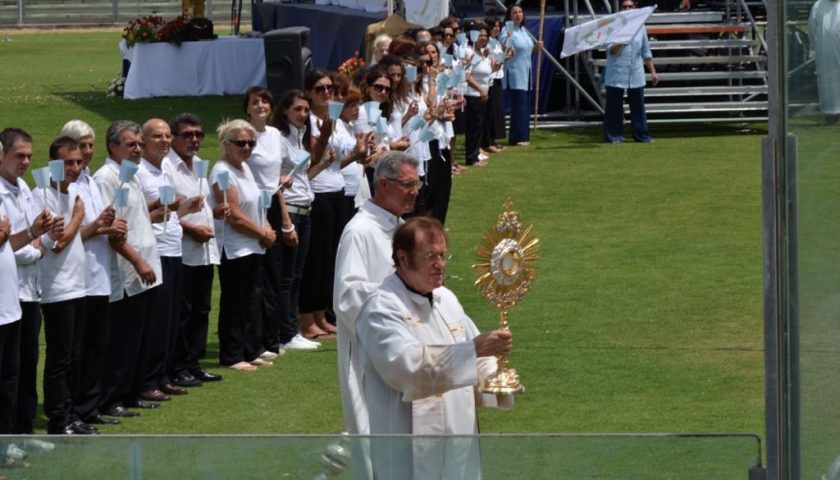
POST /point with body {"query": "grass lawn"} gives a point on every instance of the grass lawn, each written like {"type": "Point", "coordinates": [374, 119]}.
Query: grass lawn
{"type": "Point", "coordinates": [646, 315]}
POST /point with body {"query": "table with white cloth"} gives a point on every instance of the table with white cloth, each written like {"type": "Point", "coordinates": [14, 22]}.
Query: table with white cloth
{"type": "Point", "coordinates": [225, 66]}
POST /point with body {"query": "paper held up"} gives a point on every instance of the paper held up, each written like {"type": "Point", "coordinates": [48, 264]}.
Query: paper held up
{"type": "Point", "coordinates": [127, 171]}
{"type": "Point", "coordinates": [167, 194]}
{"type": "Point", "coordinates": [335, 108]}
{"type": "Point", "coordinates": [56, 170]}
{"type": "Point", "coordinates": [619, 27]}
{"type": "Point", "coordinates": [42, 177]}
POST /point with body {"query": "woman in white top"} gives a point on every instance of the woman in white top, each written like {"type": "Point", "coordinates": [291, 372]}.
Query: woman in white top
{"type": "Point", "coordinates": [9, 328]}
{"type": "Point", "coordinates": [494, 122]}
{"type": "Point", "coordinates": [327, 185]}
{"type": "Point", "coordinates": [293, 122]}
{"type": "Point", "coordinates": [243, 237]}
{"type": "Point", "coordinates": [351, 143]}
{"type": "Point", "coordinates": [478, 92]}
{"type": "Point", "coordinates": [265, 162]}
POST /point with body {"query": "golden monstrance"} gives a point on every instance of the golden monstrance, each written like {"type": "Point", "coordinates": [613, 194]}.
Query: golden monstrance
{"type": "Point", "coordinates": [506, 272]}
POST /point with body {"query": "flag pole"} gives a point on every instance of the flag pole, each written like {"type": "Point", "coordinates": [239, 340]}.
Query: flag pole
{"type": "Point", "coordinates": [539, 65]}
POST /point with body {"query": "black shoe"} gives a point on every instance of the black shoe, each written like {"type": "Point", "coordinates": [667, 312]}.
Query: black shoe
{"type": "Point", "coordinates": [118, 410]}
{"type": "Point", "coordinates": [100, 420]}
{"type": "Point", "coordinates": [81, 428]}
{"type": "Point", "coordinates": [186, 379]}
{"type": "Point", "coordinates": [142, 404]}
{"type": "Point", "coordinates": [205, 376]}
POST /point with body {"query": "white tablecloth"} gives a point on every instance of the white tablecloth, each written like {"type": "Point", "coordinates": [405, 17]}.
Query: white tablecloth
{"type": "Point", "coordinates": [226, 66]}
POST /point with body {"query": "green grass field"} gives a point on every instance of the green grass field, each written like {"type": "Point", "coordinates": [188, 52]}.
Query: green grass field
{"type": "Point", "coordinates": [646, 315]}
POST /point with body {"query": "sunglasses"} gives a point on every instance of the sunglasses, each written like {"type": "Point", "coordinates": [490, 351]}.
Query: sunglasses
{"type": "Point", "coordinates": [244, 143]}
{"type": "Point", "coordinates": [323, 88]}
{"type": "Point", "coordinates": [379, 87]}
{"type": "Point", "coordinates": [135, 145]}
{"type": "Point", "coordinates": [189, 135]}
{"type": "Point", "coordinates": [627, 6]}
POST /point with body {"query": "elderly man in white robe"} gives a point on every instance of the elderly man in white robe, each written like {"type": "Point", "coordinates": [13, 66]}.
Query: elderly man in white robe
{"type": "Point", "coordinates": [362, 262]}
{"type": "Point", "coordinates": [423, 361]}
{"type": "Point", "coordinates": [824, 32]}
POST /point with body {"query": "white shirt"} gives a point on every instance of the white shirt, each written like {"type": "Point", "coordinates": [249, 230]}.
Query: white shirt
{"type": "Point", "coordinates": [97, 249]}
{"type": "Point", "coordinates": [363, 260]}
{"type": "Point", "coordinates": [344, 141]}
{"type": "Point", "coordinates": [9, 302]}
{"type": "Point", "coordinates": [300, 194]}
{"type": "Point", "coordinates": [169, 239]}
{"type": "Point", "coordinates": [22, 210]}
{"type": "Point", "coordinates": [329, 179]}
{"type": "Point", "coordinates": [266, 158]}
{"type": "Point", "coordinates": [188, 185]}
{"type": "Point", "coordinates": [233, 243]}
{"type": "Point", "coordinates": [421, 376]}
{"type": "Point", "coordinates": [61, 274]}
{"type": "Point", "coordinates": [481, 74]}
{"type": "Point", "coordinates": [124, 278]}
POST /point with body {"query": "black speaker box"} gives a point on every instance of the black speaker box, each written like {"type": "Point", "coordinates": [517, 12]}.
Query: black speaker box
{"type": "Point", "coordinates": [287, 59]}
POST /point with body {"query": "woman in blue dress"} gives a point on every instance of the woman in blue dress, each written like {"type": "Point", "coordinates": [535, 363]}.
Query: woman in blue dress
{"type": "Point", "coordinates": [517, 79]}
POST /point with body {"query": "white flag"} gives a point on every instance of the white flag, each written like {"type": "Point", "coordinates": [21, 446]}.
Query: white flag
{"type": "Point", "coordinates": [616, 28]}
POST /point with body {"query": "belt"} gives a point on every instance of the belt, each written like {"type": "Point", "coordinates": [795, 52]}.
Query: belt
{"type": "Point", "coordinates": [299, 210]}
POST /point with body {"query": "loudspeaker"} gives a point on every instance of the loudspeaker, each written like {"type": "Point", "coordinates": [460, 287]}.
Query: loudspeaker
{"type": "Point", "coordinates": [287, 59]}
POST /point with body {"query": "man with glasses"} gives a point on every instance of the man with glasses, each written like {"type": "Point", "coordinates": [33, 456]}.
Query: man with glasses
{"type": "Point", "coordinates": [423, 360]}
{"type": "Point", "coordinates": [135, 274]}
{"type": "Point", "coordinates": [198, 252]}
{"type": "Point", "coordinates": [364, 260]}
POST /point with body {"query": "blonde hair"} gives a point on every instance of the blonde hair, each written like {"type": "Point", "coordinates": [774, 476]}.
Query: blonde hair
{"type": "Point", "coordinates": [229, 129]}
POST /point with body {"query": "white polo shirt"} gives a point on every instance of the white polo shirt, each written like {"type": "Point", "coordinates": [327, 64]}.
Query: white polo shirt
{"type": "Point", "coordinates": [97, 250]}
{"type": "Point", "coordinates": [124, 278]}
{"type": "Point", "coordinates": [9, 303]}
{"type": "Point", "coordinates": [234, 243]}
{"type": "Point", "coordinates": [61, 274]}
{"type": "Point", "coordinates": [22, 210]}
{"type": "Point", "coordinates": [151, 179]}
{"type": "Point", "coordinates": [344, 142]}
{"type": "Point", "coordinates": [193, 254]}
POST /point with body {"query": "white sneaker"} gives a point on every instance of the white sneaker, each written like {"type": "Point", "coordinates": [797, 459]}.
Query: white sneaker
{"type": "Point", "coordinates": [482, 156]}
{"type": "Point", "coordinates": [35, 445]}
{"type": "Point", "coordinates": [269, 355]}
{"type": "Point", "coordinates": [298, 342]}
{"type": "Point", "coordinates": [14, 453]}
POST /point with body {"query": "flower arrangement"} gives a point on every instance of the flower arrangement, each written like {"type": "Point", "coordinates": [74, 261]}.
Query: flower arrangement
{"type": "Point", "coordinates": [153, 28]}
{"type": "Point", "coordinates": [116, 87]}
{"type": "Point", "coordinates": [352, 65]}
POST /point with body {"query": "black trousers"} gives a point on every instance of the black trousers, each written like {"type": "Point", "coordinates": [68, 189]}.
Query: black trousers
{"type": "Point", "coordinates": [92, 357]}
{"type": "Point", "coordinates": [126, 358]}
{"type": "Point", "coordinates": [294, 259]}
{"type": "Point", "coordinates": [23, 420]}
{"type": "Point", "coordinates": [240, 309]}
{"type": "Point", "coordinates": [63, 328]}
{"type": "Point", "coordinates": [475, 112]}
{"type": "Point", "coordinates": [319, 270]}
{"type": "Point", "coordinates": [9, 370]}
{"type": "Point", "coordinates": [439, 179]}
{"type": "Point", "coordinates": [191, 341]}
{"type": "Point", "coordinates": [276, 330]}
{"type": "Point", "coordinates": [164, 324]}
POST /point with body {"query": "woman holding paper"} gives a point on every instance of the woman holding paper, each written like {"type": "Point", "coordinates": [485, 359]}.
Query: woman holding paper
{"type": "Point", "coordinates": [265, 163]}
{"type": "Point", "coordinates": [242, 242]}
{"type": "Point", "coordinates": [625, 71]}
{"type": "Point", "coordinates": [494, 122]}
{"type": "Point", "coordinates": [293, 122]}
{"type": "Point", "coordinates": [351, 145]}
{"type": "Point", "coordinates": [519, 45]}
{"type": "Point", "coordinates": [327, 184]}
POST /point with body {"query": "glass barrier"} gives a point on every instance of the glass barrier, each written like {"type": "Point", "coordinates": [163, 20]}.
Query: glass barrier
{"type": "Point", "coordinates": [531, 457]}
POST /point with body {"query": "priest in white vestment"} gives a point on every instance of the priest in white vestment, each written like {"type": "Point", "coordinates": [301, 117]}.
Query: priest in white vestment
{"type": "Point", "coordinates": [422, 361]}
{"type": "Point", "coordinates": [824, 33]}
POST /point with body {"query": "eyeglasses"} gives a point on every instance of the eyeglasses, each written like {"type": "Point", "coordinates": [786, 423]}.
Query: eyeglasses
{"type": "Point", "coordinates": [433, 257]}
{"type": "Point", "coordinates": [379, 87]}
{"type": "Point", "coordinates": [244, 143]}
{"type": "Point", "coordinates": [407, 184]}
{"type": "Point", "coordinates": [323, 88]}
{"type": "Point", "coordinates": [135, 144]}
{"type": "Point", "coordinates": [448, 34]}
{"type": "Point", "coordinates": [627, 6]}
{"type": "Point", "coordinates": [194, 133]}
